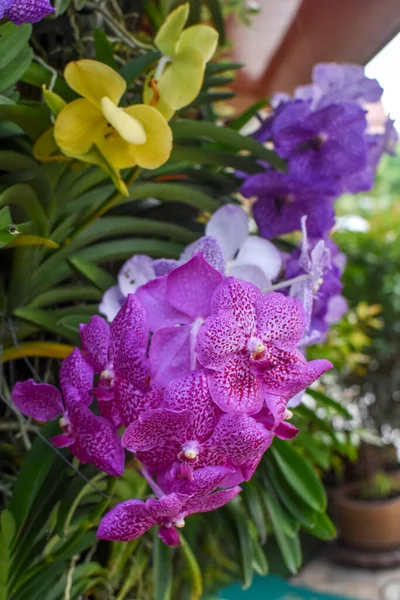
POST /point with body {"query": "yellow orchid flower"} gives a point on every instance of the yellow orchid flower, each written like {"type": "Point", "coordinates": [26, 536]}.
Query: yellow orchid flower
{"type": "Point", "coordinates": [95, 129]}
{"type": "Point", "coordinates": [180, 72]}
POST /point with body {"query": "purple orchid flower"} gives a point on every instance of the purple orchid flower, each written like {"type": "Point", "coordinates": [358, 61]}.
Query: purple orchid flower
{"type": "Point", "coordinates": [284, 198]}
{"type": "Point", "coordinates": [177, 305]}
{"type": "Point", "coordinates": [118, 353]}
{"type": "Point", "coordinates": [190, 432]}
{"type": "Point", "coordinates": [320, 291]}
{"type": "Point", "coordinates": [227, 246]}
{"type": "Point", "coordinates": [248, 345]}
{"type": "Point", "coordinates": [90, 438]}
{"type": "Point", "coordinates": [25, 11]}
{"type": "Point", "coordinates": [328, 143]}
{"type": "Point", "coordinates": [132, 518]}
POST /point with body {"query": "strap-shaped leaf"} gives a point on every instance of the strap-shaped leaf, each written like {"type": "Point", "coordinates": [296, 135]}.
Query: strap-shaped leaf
{"type": "Point", "coordinates": [162, 569]}
{"type": "Point", "coordinates": [31, 349]}
{"type": "Point", "coordinates": [46, 321]}
{"type": "Point", "coordinates": [91, 273]}
{"type": "Point", "coordinates": [299, 474]}
{"type": "Point", "coordinates": [13, 39]}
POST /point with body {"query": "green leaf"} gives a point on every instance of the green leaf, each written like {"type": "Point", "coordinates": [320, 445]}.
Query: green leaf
{"type": "Point", "coordinates": [222, 67]}
{"type": "Point", "coordinates": [288, 545]}
{"type": "Point", "coordinates": [185, 128]}
{"type": "Point", "coordinates": [5, 217]}
{"type": "Point", "coordinates": [103, 48]}
{"type": "Point", "coordinates": [32, 474]}
{"type": "Point", "coordinates": [208, 156]}
{"type": "Point", "coordinates": [248, 114]}
{"type": "Point", "coordinates": [252, 497]}
{"type": "Point", "coordinates": [138, 66]}
{"type": "Point", "coordinates": [314, 449]}
{"type": "Point", "coordinates": [91, 273]}
{"type": "Point", "coordinates": [323, 527]}
{"type": "Point", "coordinates": [46, 349]}
{"type": "Point", "coordinates": [328, 402]}
{"type": "Point", "coordinates": [33, 118]}
{"type": "Point", "coordinates": [46, 321]}
{"type": "Point", "coordinates": [299, 474]}
{"type": "Point", "coordinates": [311, 417]}
{"type": "Point", "coordinates": [245, 542]}
{"type": "Point", "coordinates": [13, 39]}
{"type": "Point", "coordinates": [194, 570]}
{"type": "Point", "coordinates": [7, 533]}
{"type": "Point", "coordinates": [299, 510]}
{"type": "Point", "coordinates": [29, 240]}
{"type": "Point", "coordinates": [215, 9]}
{"type": "Point", "coordinates": [173, 192]}
{"type": "Point", "coordinates": [38, 76]}
{"type": "Point", "coordinates": [15, 68]}
{"type": "Point", "coordinates": [162, 569]}
{"type": "Point", "coordinates": [73, 322]}
{"type": "Point", "coordinates": [61, 6]}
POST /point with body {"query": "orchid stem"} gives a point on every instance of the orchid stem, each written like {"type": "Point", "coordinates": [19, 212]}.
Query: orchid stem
{"type": "Point", "coordinates": [289, 282]}
{"type": "Point", "coordinates": [103, 208]}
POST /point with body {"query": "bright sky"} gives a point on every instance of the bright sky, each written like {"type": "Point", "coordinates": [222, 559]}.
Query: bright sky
{"type": "Point", "coordinates": [384, 68]}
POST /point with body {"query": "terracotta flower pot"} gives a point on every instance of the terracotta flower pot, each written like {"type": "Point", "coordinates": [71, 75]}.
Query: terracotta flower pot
{"type": "Point", "coordinates": [368, 525]}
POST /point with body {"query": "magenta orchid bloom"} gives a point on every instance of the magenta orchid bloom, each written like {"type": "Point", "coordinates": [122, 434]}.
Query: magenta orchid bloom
{"type": "Point", "coordinates": [118, 353]}
{"type": "Point", "coordinates": [177, 305]}
{"type": "Point", "coordinates": [133, 518]}
{"type": "Point", "coordinates": [190, 431]}
{"type": "Point", "coordinates": [90, 438]}
{"type": "Point", "coordinates": [248, 345]}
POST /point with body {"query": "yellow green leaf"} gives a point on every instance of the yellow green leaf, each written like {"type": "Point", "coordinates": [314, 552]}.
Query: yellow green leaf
{"type": "Point", "coordinates": [31, 240]}
{"type": "Point", "coordinates": [44, 349]}
{"type": "Point", "coordinates": [201, 38]}
{"type": "Point", "coordinates": [94, 80]}
{"type": "Point", "coordinates": [182, 79]}
{"type": "Point", "coordinates": [169, 32]}
{"type": "Point", "coordinates": [53, 101]}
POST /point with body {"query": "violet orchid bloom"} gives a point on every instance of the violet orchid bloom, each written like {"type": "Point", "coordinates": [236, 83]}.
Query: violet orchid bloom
{"type": "Point", "coordinates": [90, 438]}
{"type": "Point", "coordinates": [190, 431]}
{"type": "Point", "coordinates": [25, 11]}
{"type": "Point", "coordinates": [176, 306]}
{"type": "Point", "coordinates": [282, 199]}
{"type": "Point", "coordinates": [328, 143]}
{"type": "Point", "coordinates": [344, 83]}
{"type": "Point", "coordinates": [132, 518]}
{"type": "Point", "coordinates": [248, 346]}
{"type": "Point", "coordinates": [320, 291]}
{"type": "Point", "coordinates": [118, 353]}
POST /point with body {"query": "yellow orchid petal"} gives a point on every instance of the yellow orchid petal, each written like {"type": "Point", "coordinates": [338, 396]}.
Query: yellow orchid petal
{"type": "Point", "coordinates": [45, 148]}
{"type": "Point", "coordinates": [93, 80]}
{"type": "Point", "coordinates": [155, 152]}
{"type": "Point", "coordinates": [160, 105]}
{"type": "Point", "coordinates": [182, 80]}
{"type": "Point", "coordinates": [77, 126]}
{"type": "Point", "coordinates": [169, 32]}
{"type": "Point", "coordinates": [201, 38]}
{"type": "Point", "coordinates": [116, 151]}
{"type": "Point", "coordinates": [129, 128]}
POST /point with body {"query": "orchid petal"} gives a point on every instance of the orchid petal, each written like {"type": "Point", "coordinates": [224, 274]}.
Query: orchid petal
{"type": "Point", "coordinates": [153, 296]}
{"type": "Point", "coordinates": [229, 225]}
{"type": "Point", "coordinates": [262, 253]}
{"type": "Point", "coordinates": [218, 338]}
{"type": "Point", "coordinates": [191, 286]}
{"type": "Point", "coordinates": [238, 297]}
{"type": "Point", "coordinates": [75, 372]}
{"type": "Point", "coordinates": [111, 303]}
{"type": "Point", "coordinates": [126, 521]}
{"type": "Point", "coordinates": [182, 79]}
{"type": "Point", "coordinates": [136, 271]}
{"type": "Point", "coordinates": [170, 31]}
{"type": "Point", "coordinates": [157, 148]}
{"type": "Point", "coordinates": [94, 80]}
{"type": "Point", "coordinates": [95, 337]}
{"type": "Point", "coordinates": [170, 355]}
{"type": "Point", "coordinates": [241, 437]}
{"type": "Point", "coordinates": [202, 38]}
{"type": "Point", "coordinates": [39, 401]}
{"type": "Point", "coordinates": [26, 11]}
{"type": "Point", "coordinates": [235, 388]}
{"type": "Point", "coordinates": [132, 316]}
{"type": "Point", "coordinates": [211, 502]}
{"type": "Point", "coordinates": [280, 320]}
{"type": "Point", "coordinates": [78, 126]}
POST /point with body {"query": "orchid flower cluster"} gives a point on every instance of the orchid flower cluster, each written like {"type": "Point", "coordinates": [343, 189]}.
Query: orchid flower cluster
{"type": "Point", "coordinates": [200, 358]}
{"type": "Point", "coordinates": [196, 368]}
